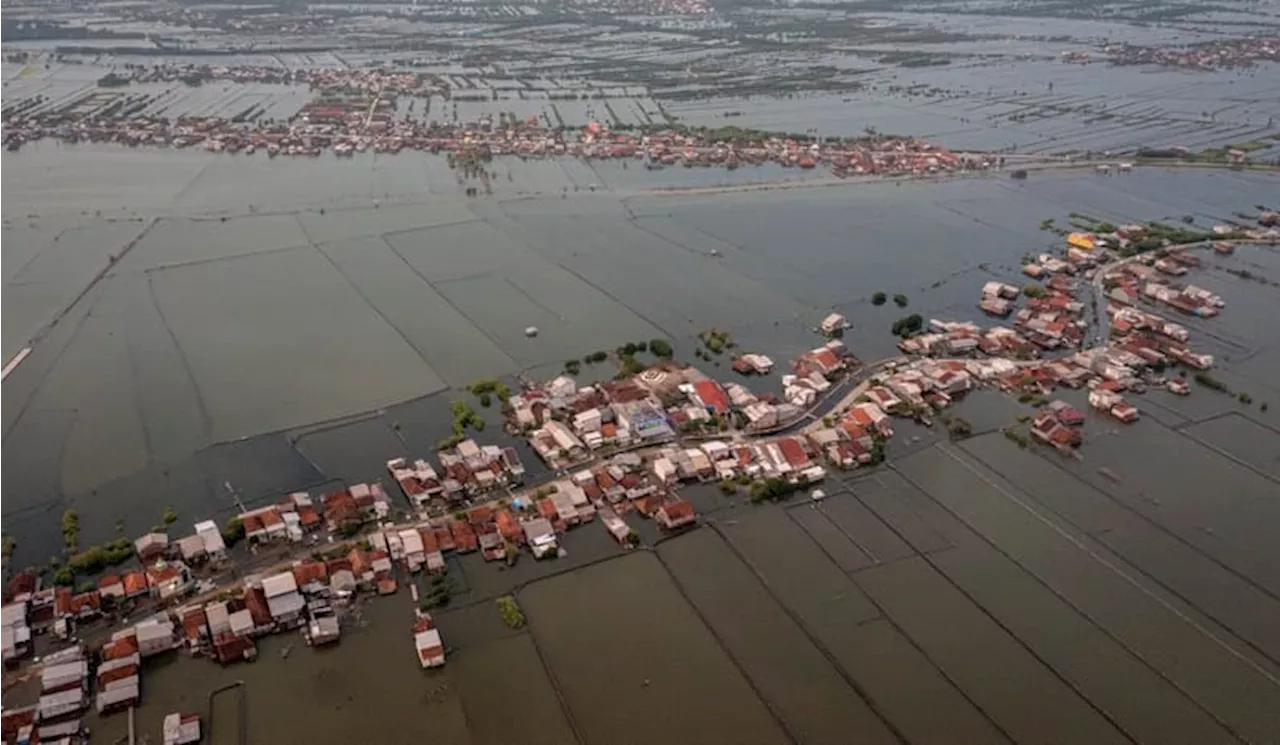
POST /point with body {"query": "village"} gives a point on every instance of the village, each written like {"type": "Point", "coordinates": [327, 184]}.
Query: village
{"type": "Point", "coordinates": [619, 450]}
{"type": "Point", "coordinates": [356, 111]}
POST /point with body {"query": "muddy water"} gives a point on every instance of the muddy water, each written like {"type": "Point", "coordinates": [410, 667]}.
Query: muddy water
{"type": "Point", "coordinates": [368, 688]}
{"type": "Point", "coordinates": [623, 645]}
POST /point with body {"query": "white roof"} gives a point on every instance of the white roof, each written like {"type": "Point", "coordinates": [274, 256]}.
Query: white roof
{"type": "Point", "coordinates": [412, 541]}
{"type": "Point", "coordinates": [287, 604]}
{"type": "Point", "coordinates": [241, 621]}
{"type": "Point", "coordinates": [279, 584]}
{"type": "Point", "coordinates": [14, 614]}
{"type": "Point", "coordinates": [213, 542]}
{"type": "Point", "coordinates": [191, 546]}
{"type": "Point", "coordinates": [57, 675]}
{"type": "Point", "coordinates": [126, 692]}
{"type": "Point", "coordinates": [109, 665]}
{"type": "Point", "coordinates": [154, 630]}
{"type": "Point", "coordinates": [218, 617]}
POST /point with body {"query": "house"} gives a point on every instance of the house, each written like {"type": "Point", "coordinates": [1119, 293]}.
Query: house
{"type": "Point", "coordinates": [540, 537]}
{"type": "Point", "coordinates": [310, 573]}
{"type": "Point", "coordinates": [427, 643]}
{"type": "Point", "coordinates": [255, 601]}
{"type": "Point", "coordinates": [214, 546]}
{"type": "Point", "coordinates": [283, 599]}
{"type": "Point", "coordinates": [419, 482]}
{"type": "Point", "coordinates": [110, 586]}
{"type": "Point", "coordinates": [323, 628]}
{"type": "Point", "coordinates": [191, 549]}
{"type": "Point", "coordinates": [218, 616]}
{"type": "Point", "coordinates": [181, 729]}
{"type": "Point", "coordinates": [263, 524]}
{"type": "Point", "coordinates": [342, 582]}
{"type": "Point", "coordinates": [1066, 414]}
{"type": "Point", "coordinates": [617, 528]}
{"type": "Point", "coordinates": [833, 324]}
{"type": "Point", "coordinates": [118, 669]}
{"type": "Point", "coordinates": [711, 396]}
{"type": "Point", "coordinates": [155, 636]}
{"type": "Point", "coordinates": [195, 626]}
{"type": "Point", "coordinates": [54, 705]}
{"type": "Point", "coordinates": [241, 623]}
{"type": "Point", "coordinates": [168, 579]}
{"type": "Point", "coordinates": [151, 546]}
{"type": "Point", "coordinates": [675, 513]}
{"type": "Point", "coordinates": [794, 453]}
{"type": "Point", "coordinates": [14, 632]}
{"type": "Point", "coordinates": [123, 644]}
{"type": "Point", "coordinates": [118, 695]}
{"type": "Point", "coordinates": [63, 676]}
{"type": "Point", "coordinates": [136, 584]}
{"type": "Point", "coordinates": [1049, 430]}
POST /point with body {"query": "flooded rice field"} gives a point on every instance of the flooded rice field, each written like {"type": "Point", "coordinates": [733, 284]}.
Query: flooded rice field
{"type": "Point", "coordinates": [196, 319]}
{"type": "Point", "coordinates": [972, 591]}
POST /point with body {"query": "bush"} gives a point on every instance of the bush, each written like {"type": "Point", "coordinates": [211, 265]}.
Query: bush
{"type": "Point", "coordinates": [170, 517]}
{"type": "Point", "coordinates": [512, 616]}
{"type": "Point", "coordinates": [233, 531]}
{"type": "Point", "coordinates": [660, 348]}
{"type": "Point", "coordinates": [727, 486]}
{"type": "Point", "coordinates": [959, 428]}
{"type": "Point", "coordinates": [878, 298]}
{"type": "Point", "coordinates": [907, 325]}
{"type": "Point", "coordinates": [349, 529]}
{"type": "Point", "coordinates": [485, 401]}
{"type": "Point", "coordinates": [1033, 290]}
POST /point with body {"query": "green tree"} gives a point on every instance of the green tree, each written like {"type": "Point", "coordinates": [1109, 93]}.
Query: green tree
{"type": "Point", "coordinates": [170, 517]}
{"type": "Point", "coordinates": [64, 577]}
{"type": "Point", "coordinates": [1033, 290]}
{"type": "Point", "coordinates": [660, 348]}
{"type": "Point", "coordinates": [233, 531]}
{"type": "Point", "coordinates": [878, 298]}
{"type": "Point", "coordinates": [900, 300]}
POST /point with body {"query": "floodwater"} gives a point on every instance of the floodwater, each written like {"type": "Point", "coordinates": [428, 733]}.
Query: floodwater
{"type": "Point", "coordinates": [280, 325]}
{"type": "Point", "coordinates": [283, 324]}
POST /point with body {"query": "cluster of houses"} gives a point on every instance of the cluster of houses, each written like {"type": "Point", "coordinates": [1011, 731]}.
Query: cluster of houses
{"type": "Point", "coordinates": [567, 424]}
{"type": "Point", "coordinates": [1058, 425]}
{"type": "Point", "coordinates": [1142, 280]}
{"type": "Point", "coordinates": [814, 372]}
{"type": "Point", "coordinates": [468, 470]}
{"type": "Point", "coordinates": [297, 517]}
{"type": "Point", "coordinates": [963, 338]}
{"type": "Point", "coordinates": [1157, 341]}
{"type": "Point", "coordinates": [72, 680]}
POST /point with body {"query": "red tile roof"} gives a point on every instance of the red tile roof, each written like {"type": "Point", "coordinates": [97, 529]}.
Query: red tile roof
{"type": "Point", "coordinates": [712, 395]}
{"type": "Point", "coordinates": [90, 601]}
{"type": "Point", "coordinates": [62, 601]}
{"type": "Point", "coordinates": [793, 451]}
{"type": "Point", "coordinates": [135, 582]}
{"type": "Point", "coordinates": [107, 580]}
{"type": "Point", "coordinates": [308, 516]}
{"type": "Point", "coordinates": [309, 570]}
{"type": "Point", "coordinates": [255, 600]}
{"type": "Point", "coordinates": [676, 512]}
{"type": "Point", "coordinates": [120, 648]}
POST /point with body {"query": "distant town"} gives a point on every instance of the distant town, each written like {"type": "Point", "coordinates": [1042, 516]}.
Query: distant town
{"type": "Point", "coordinates": [355, 111]}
